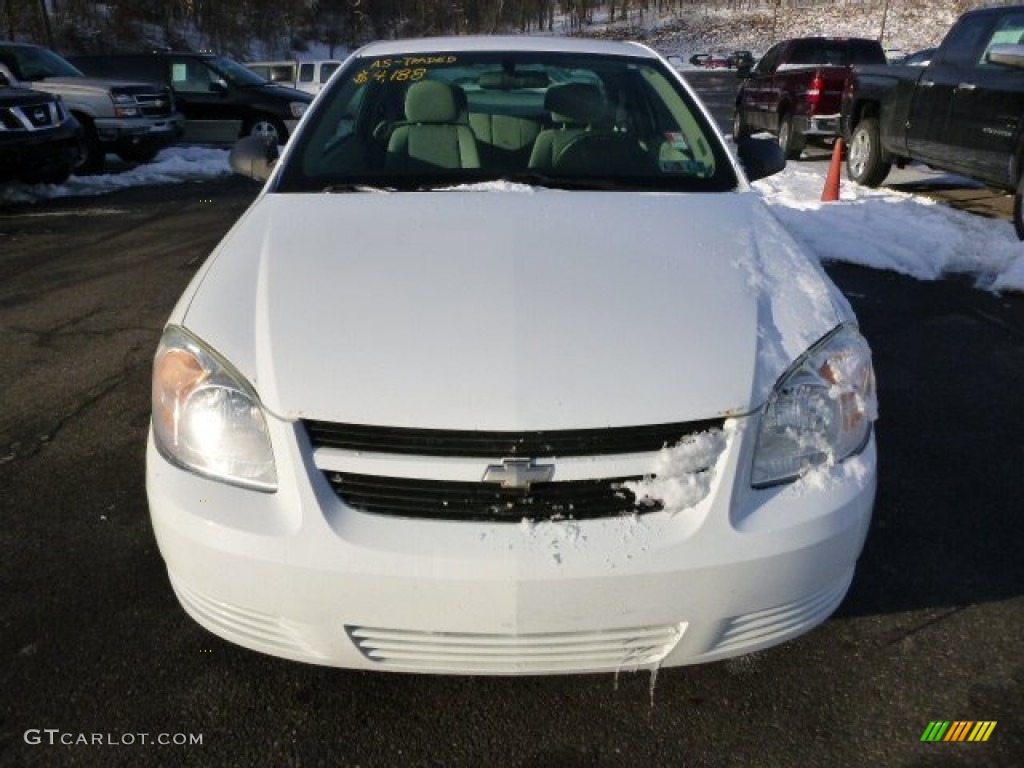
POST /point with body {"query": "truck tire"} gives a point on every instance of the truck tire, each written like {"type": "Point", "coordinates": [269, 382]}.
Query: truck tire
{"type": "Point", "coordinates": [790, 140]}
{"type": "Point", "coordinates": [55, 175]}
{"type": "Point", "coordinates": [90, 159]}
{"type": "Point", "coordinates": [266, 127]}
{"type": "Point", "coordinates": [866, 162]}
{"type": "Point", "coordinates": [739, 126]}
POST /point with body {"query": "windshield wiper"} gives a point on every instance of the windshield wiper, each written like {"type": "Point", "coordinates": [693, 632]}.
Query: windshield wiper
{"type": "Point", "coordinates": [537, 179]}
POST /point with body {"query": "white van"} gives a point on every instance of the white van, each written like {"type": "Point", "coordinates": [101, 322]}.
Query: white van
{"type": "Point", "coordinates": [308, 76]}
{"type": "Point", "coordinates": [313, 75]}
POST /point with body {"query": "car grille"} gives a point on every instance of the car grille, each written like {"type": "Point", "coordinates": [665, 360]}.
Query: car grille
{"type": "Point", "coordinates": [428, 498]}
{"type": "Point", "coordinates": [447, 500]}
{"type": "Point", "coordinates": [596, 651]}
{"type": "Point", "coordinates": [503, 445]}
{"type": "Point", "coordinates": [31, 118]}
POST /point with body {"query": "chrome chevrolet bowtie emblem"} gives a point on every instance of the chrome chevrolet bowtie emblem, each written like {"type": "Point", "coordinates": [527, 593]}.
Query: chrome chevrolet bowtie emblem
{"type": "Point", "coordinates": [518, 473]}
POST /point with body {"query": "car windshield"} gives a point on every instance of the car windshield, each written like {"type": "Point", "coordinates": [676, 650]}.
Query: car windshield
{"type": "Point", "coordinates": [30, 63]}
{"type": "Point", "coordinates": [553, 119]}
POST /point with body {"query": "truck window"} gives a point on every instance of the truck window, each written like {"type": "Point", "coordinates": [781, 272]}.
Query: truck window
{"type": "Point", "coordinates": [1009, 31]}
{"type": "Point", "coordinates": [767, 63]}
{"type": "Point", "coordinates": [963, 41]}
{"type": "Point", "coordinates": [306, 73]}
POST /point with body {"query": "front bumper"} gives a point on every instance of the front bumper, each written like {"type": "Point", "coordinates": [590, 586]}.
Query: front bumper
{"type": "Point", "coordinates": [118, 134]}
{"type": "Point", "coordinates": [24, 155]}
{"type": "Point", "coordinates": [299, 575]}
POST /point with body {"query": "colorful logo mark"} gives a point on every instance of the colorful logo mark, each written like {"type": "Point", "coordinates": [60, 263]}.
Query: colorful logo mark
{"type": "Point", "coordinates": [958, 730]}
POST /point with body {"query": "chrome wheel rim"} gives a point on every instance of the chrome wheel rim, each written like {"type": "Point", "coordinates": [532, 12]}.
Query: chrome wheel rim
{"type": "Point", "coordinates": [860, 148]}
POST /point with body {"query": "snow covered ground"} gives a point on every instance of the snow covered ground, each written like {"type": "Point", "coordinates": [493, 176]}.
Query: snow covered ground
{"type": "Point", "coordinates": [878, 228]}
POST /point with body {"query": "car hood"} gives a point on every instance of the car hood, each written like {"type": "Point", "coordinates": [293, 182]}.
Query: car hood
{"type": "Point", "coordinates": [510, 310]}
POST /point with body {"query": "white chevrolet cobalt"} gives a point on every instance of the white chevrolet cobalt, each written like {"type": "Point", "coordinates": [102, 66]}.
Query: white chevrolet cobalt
{"type": "Point", "coordinates": [507, 370]}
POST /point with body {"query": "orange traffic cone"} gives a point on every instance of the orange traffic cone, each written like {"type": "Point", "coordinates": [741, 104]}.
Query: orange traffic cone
{"type": "Point", "coordinates": [831, 191]}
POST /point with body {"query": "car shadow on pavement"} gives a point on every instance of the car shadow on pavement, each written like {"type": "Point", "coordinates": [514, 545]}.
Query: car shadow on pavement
{"type": "Point", "coordinates": [947, 525]}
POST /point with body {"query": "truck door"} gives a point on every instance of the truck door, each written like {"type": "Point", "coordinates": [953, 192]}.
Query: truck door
{"type": "Point", "coordinates": [931, 133]}
{"type": "Point", "coordinates": [988, 105]}
{"type": "Point", "coordinates": [211, 114]}
{"type": "Point", "coordinates": [758, 96]}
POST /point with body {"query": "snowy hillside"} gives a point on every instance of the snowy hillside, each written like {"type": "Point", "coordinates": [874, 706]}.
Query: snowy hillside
{"type": "Point", "coordinates": [909, 26]}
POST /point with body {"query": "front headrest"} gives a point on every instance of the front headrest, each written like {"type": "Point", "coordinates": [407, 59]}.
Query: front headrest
{"type": "Point", "coordinates": [430, 101]}
{"type": "Point", "coordinates": [574, 103]}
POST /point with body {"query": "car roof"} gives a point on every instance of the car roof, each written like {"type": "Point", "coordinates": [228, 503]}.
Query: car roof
{"type": "Point", "coordinates": [508, 43]}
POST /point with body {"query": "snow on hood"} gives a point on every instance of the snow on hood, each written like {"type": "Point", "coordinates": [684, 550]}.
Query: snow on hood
{"type": "Point", "coordinates": [488, 310]}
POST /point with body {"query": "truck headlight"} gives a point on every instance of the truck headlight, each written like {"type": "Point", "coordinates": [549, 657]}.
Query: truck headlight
{"type": "Point", "coordinates": [206, 417]}
{"type": "Point", "coordinates": [820, 411]}
{"type": "Point", "coordinates": [125, 105]}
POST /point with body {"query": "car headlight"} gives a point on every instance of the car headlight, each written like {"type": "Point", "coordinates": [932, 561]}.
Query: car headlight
{"type": "Point", "coordinates": [298, 108]}
{"type": "Point", "coordinates": [125, 105]}
{"type": "Point", "coordinates": [206, 417]}
{"type": "Point", "coordinates": [820, 411]}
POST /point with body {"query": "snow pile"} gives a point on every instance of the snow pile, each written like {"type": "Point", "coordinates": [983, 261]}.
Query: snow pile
{"type": "Point", "coordinates": [887, 229]}
{"type": "Point", "coordinates": [172, 166]}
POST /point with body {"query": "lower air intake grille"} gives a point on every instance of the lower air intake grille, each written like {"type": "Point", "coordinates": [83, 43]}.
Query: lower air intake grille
{"type": "Point", "coordinates": [445, 500]}
{"type": "Point", "coordinates": [466, 653]}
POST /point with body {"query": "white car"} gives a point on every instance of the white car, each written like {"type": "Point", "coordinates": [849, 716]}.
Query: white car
{"type": "Point", "coordinates": [508, 371]}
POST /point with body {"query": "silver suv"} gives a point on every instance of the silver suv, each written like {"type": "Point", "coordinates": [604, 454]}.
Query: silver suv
{"type": "Point", "coordinates": [132, 119]}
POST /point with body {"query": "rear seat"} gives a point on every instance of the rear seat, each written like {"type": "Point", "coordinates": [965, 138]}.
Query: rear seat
{"type": "Point", "coordinates": [504, 141]}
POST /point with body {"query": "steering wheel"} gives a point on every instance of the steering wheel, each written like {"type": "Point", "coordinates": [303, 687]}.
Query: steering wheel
{"type": "Point", "coordinates": [601, 151]}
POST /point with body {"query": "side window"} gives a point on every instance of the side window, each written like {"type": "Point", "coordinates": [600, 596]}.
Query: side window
{"type": "Point", "coordinates": [961, 47]}
{"type": "Point", "coordinates": [767, 63]}
{"type": "Point", "coordinates": [306, 73]}
{"type": "Point", "coordinates": [326, 70]}
{"type": "Point", "coordinates": [191, 76]}
{"type": "Point", "coordinates": [1009, 31]}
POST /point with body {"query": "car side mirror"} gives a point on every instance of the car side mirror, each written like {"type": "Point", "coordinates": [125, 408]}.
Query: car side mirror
{"type": "Point", "coordinates": [253, 157]}
{"type": "Point", "coordinates": [219, 86]}
{"type": "Point", "coordinates": [760, 157]}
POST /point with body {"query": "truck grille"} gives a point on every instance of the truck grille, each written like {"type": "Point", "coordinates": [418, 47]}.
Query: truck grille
{"type": "Point", "coordinates": [153, 101]}
{"type": "Point", "coordinates": [451, 500]}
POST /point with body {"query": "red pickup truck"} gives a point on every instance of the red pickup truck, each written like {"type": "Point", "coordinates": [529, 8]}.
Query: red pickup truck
{"type": "Point", "coordinates": [796, 88]}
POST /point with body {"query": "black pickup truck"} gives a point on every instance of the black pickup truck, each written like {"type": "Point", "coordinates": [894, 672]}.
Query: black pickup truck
{"type": "Point", "coordinates": [962, 113]}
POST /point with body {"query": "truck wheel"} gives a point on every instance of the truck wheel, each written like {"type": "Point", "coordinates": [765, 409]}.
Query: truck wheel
{"type": "Point", "coordinates": [865, 161]}
{"type": "Point", "coordinates": [790, 140]}
{"type": "Point", "coordinates": [266, 127]}
{"type": "Point", "coordinates": [739, 126]}
{"type": "Point", "coordinates": [1018, 209]}
{"type": "Point", "coordinates": [91, 155]}
{"type": "Point", "coordinates": [55, 175]}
